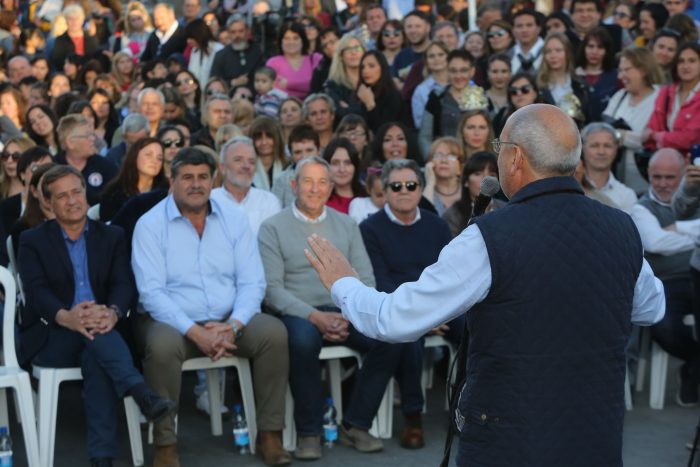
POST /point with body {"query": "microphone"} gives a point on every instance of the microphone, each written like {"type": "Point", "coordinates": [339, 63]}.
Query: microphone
{"type": "Point", "coordinates": [487, 190]}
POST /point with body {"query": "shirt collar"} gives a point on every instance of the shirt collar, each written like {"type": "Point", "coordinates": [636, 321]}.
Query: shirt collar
{"type": "Point", "coordinates": [68, 239]}
{"type": "Point", "coordinates": [163, 37]}
{"type": "Point", "coordinates": [395, 220]}
{"type": "Point", "coordinates": [173, 212]}
{"type": "Point", "coordinates": [655, 199]}
{"type": "Point", "coordinates": [303, 218]}
{"type": "Point", "coordinates": [534, 51]}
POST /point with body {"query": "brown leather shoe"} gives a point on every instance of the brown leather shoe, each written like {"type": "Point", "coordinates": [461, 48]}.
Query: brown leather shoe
{"type": "Point", "coordinates": [166, 456]}
{"type": "Point", "coordinates": [412, 436]}
{"type": "Point", "coordinates": [271, 450]}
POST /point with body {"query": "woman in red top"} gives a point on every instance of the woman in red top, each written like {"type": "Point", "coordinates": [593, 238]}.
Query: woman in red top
{"type": "Point", "coordinates": [675, 122]}
{"type": "Point", "coordinates": [344, 161]}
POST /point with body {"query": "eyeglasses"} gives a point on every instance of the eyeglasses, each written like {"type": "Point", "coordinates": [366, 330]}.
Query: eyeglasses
{"type": "Point", "coordinates": [668, 32]}
{"type": "Point", "coordinates": [10, 155]}
{"type": "Point", "coordinates": [499, 33]}
{"type": "Point", "coordinates": [621, 15]}
{"type": "Point", "coordinates": [394, 33]}
{"type": "Point", "coordinates": [356, 48]}
{"type": "Point", "coordinates": [169, 143]}
{"type": "Point", "coordinates": [396, 186]}
{"type": "Point", "coordinates": [180, 82]}
{"type": "Point", "coordinates": [309, 26]}
{"type": "Point", "coordinates": [496, 143]}
{"type": "Point", "coordinates": [440, 157]}
{"type": "Point", "coordinates": [525, 89]}
{"type": "Point", "coordinates": [211, 92]}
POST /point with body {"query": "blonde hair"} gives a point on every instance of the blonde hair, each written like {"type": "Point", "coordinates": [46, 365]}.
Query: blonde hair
{"type": "Point", "coordinates": [68, 124]}
{"type": "Point", "coordinates": [441, 46]}
{"type": "Point", "coordinates": [543, 76]}
{"type": "Point", "coordinates": [138, 7]}
{"type": "Point", "coordinates": [643, 59]}
{"type": "Point", "coordinates": [243, 113]}
{"type": "Point", "coordinates": [453, 145]}
{"type": "Point", "coordinates": [59, 26]}
{"type": "Point", "coordinates": [337, 72]}
{"type": "Point", "coordinates": [225, 133]}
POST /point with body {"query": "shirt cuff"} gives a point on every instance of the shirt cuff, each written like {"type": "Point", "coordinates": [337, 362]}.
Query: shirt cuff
{"type": "Point", "coordinates": [691, 227]}
{"type": "Point", "coordinates": [183, 324]}
{"type": "Point", "coordinates": [341, 288]}
{"type": "Point", "coordinates": [244, 316]}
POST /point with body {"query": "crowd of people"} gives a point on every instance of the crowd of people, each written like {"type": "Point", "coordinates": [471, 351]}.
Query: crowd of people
{"type": "Point", "coordinates": [215, 142]}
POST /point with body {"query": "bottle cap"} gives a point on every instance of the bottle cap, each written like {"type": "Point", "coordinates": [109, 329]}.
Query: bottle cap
{"type": "Point", "coordinates": [3, 430]}
{"type": "Point", "coordinates": [329, 400]}
{"type": "Point", "coordinates": [237, 408]}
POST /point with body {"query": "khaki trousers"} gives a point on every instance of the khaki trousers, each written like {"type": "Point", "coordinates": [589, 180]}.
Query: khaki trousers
{"type": "Point", "coordinates": [264, 342]}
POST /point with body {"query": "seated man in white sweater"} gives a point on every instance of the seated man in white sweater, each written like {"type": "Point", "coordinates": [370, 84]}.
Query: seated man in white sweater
{"type": "Point", "coordinates": [306, 309]}
{"type": "Point", "coordinates": [599, 151]}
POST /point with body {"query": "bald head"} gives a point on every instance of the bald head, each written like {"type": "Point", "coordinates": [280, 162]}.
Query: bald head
{"type": "Point", "coordinates": [549, 138]}
{"type": "Point", "coordinates": [665, 173]}
{"type": "Point", "coordinates": [18, 68]}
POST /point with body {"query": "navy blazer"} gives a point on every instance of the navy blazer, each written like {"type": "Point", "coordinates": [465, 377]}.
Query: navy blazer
{"type": "Point", "coordinates": [176, 44]}
{"type": "Point", "coordinates": [47, 274]}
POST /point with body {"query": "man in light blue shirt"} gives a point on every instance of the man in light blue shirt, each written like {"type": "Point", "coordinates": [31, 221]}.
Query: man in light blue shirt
{"type": "Point", "coordinates": [201, 282]}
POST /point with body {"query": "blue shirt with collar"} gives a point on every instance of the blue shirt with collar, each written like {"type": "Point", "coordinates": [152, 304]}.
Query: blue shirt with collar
{"type": "Point", "coordinates": [77, 251]}
{"type": "Point", "coordinates": [184, 279]}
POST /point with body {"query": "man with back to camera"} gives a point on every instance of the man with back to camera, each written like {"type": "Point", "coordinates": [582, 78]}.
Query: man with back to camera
{"type": "Point", "coordinates": [550, 285]}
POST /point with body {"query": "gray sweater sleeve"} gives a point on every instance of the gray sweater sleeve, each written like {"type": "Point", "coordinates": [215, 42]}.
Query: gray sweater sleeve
{"type": "Point", "coordinates": [686, 201]}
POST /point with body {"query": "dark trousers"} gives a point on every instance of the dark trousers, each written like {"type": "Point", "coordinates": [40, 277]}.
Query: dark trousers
{"type": "Point", "coordinates": [108, 374]}
{"type": "Point", "coordinates": [671, 334]}
{"type": "Point", "coordinates": [380, 361]}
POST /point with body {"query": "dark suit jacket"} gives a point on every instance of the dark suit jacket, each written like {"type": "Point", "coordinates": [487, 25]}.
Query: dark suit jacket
{"type": "Point", "coordinates": [64, 46]}
{"type": "Point", "coordinates": [47, 275]}
{"type": "Point", "coordinates": [176, 44]}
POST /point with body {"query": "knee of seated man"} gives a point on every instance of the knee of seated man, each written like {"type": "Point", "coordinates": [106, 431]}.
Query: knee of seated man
{"type": "Point", "coordinates": [273, 332]}
{"type": "Point", "coordinates": [164, 345]}
{"type": "Point", "coordinates": [304, 338]}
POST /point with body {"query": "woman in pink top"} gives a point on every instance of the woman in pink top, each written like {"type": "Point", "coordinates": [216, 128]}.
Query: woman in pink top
{"type": "Point", "coordinates": [294, 67]}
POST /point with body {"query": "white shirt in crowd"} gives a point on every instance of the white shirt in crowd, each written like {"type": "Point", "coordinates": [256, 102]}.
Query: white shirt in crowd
{"type": "Point", "coordinates": [361, 208]}
{"type": "Point", "coordinates": [623, 196]}
{"type": "Point", "coordinates": [257, 205]}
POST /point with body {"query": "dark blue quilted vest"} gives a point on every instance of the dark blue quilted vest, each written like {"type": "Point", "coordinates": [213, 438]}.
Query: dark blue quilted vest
{"type": "Point", "coordinates": [546, 361]}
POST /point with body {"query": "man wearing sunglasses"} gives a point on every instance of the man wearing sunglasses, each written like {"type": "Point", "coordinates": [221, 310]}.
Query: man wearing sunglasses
{"type": "Point", "coordinates": [550, 286]}
{"type": "Point", "coordinates": [388, 234]}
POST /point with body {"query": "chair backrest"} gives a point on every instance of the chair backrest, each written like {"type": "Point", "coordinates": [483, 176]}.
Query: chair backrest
{"type": "Point", "coordinates": [15, 272]}
{"type": "Point", "coordinates": [8, 319]}
{"type": "Point", "coordinates": [94, 212]}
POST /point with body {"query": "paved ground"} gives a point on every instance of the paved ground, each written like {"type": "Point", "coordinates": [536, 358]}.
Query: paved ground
{"type": "Point", "coordinates": [652, 438]}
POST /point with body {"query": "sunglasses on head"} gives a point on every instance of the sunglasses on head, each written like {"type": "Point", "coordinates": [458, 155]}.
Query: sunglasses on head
{"type": "Point", "coordinates": [396, 186]}
{"type": "Point", "coordinates": [514, 90]}
{"type": "Point", "coordinates": [499, 33]}
{"type": "Point", "coordinates": [169, 143]}
{"type": "Point", "coordinates": [13, 155]}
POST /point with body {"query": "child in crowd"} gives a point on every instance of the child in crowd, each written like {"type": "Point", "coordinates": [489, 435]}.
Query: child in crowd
{"type": "Point", "coordinates": [362, 208]}
{"type": "Point", "coordinates": [268, 98]}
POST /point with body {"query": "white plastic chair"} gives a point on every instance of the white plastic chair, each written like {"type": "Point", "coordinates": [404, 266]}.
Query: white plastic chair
{"type": "Point", "coordinates": [245, 379]}
{"type": "Point", "coordinates": [50, 380]}
{"type": "Point", "coordinates": [12, 376]}
{"type": "Point", "coordinates": [13, 268]}
{"type": "Point", "coordinates": [428, 364]}
{"type": "Point", "coordinates": [382, 425]}
{"type": "Point", "coordinates": [94, 212]}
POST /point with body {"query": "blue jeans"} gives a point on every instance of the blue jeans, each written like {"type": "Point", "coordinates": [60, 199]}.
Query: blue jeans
{"type": "Point", "coordinates": [380, 361]}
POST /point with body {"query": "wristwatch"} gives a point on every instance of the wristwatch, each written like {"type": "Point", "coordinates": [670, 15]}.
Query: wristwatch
{"type": "Point", "coordinates": [236, 330]}
{"type": "Point", "coordinates": [117, 311]}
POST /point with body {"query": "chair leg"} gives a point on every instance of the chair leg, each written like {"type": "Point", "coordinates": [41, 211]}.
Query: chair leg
{"type": "Point", "coordinates": [25, 408]}
{"type": "Point", "coordinates": [4, 412]}
{"type": "Point", "coordinates": [214, 401]}
{"type": "Point", "coordinates": [48, 406]}
{"type": "Point", "coordinates": [245, 379]}
{"type": "Point", "coordinates": [382, 424]}
{"type": "Point", "coordinates": [659, 370]}
{"type": "Point", "coordinates": [644, 345]}
{"type": "Point", "coordinates": [336, 386]}
{"type": "Point", "coordinates": [628, 391]}
{"type": "Point", "coordinates": [132, 423]}
{"type": "Point", "coordinates": [289, 435]}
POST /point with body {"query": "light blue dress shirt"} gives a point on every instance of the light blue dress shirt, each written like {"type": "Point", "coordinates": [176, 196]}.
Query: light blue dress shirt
{"type": "Point", "coordinates": [77, 252]}
{"type": "Point", "coordinates": [450, 288]}
{"type": "Point", "coordinates": [184, 279]}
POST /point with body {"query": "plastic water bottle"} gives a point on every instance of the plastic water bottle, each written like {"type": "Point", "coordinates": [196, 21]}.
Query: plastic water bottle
{"type": "Point", "coordinates": [240, 431]}
{"type": "Point", "coordinates": [330, 425]}
{"type": "Point", "coordinates": [5, 448]}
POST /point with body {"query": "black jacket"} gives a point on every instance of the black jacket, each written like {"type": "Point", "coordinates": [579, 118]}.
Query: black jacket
{"type": "Point", "coordinates": [64, 46]}
{"type": "Point", "coordinates": [176, 44]}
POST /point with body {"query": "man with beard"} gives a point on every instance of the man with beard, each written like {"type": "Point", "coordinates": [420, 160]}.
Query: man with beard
{"type": "Point", "coordinates": [237, 164]}
{"type": "Point", "coordinates": [237, 63]}
{"type": "Point", "coordinates": [416, 26]}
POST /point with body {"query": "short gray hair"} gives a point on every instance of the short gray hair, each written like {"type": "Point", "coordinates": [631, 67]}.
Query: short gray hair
{"type": "Point", "coordinates": [135, 122]}
{"type": "Point", "coordinates": [597, 127]}
{"type": "Point", "coordinates": [310, 161]}
{"type": "Point", "coordinates": [232, 142]}
{"type": "Point", "coordinates": [216, 97]}
{"type": "Point", "coordinates": [444, 24]}
{"type": "Point", "coordinates": [667, 152]}
{"type": "Point", "coordinates": [315, 97]}
{"type": "Point", "coordinates": [545, 154]}
{"type": "Point", "coordinates": [144, 91]}
{"type": "Point", "coordinates": [398, 164]}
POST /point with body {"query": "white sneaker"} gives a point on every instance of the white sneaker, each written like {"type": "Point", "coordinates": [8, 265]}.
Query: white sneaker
{"type": "Point", "coordinates": [203, 404]}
